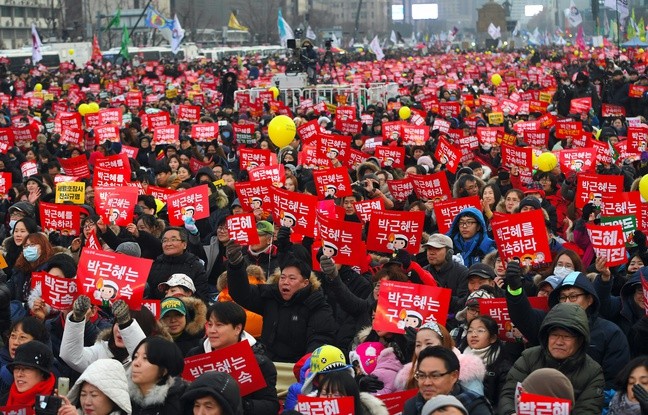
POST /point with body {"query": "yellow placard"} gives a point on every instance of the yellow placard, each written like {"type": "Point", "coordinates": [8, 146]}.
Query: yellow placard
{"type": "Point", "coordinates": [195, 87]}
{"type": "Point", "coordinates": [545, 96]}
{"type": "Point", "coordinates": [219, 183]}
{"type": "Point", "coordinates": [48, 97]}
{"type": "Point", "coordinates": [496, 118]}
{"type": "Point", "coordinates": [171, 93]}
{"type": "Point", "coordinates": [70, 192]}
{"type": "Point", "coordinates": [331, 108]}
{"type": "Point", "coordinates": [3, 262]}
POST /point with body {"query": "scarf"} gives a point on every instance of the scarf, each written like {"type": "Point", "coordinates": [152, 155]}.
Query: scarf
{"type": "Point", "coordinates": [28, 397]}
{"type": "Point", "coordinates": [466, 246]}
{"type": "Point", "coordinates": [484, 354]}
{"type": "Point", "coordinates": [620, 405]}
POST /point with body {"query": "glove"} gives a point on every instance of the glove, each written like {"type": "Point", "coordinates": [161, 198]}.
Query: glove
{"type": "Point", "coordinates": [283, 239]}
{"type": "Point", "coordinates": [410, 335]}
{"type": "Point", "coordinates": [190, 225]}
{"type": "Point", "coordinates": [121, 312]}
{"type": "Point", "coordinates": [514, 275]}
{"type": "Point", "coordinates": [284, 233]}
{"type": "Point", "coordinates": [370, 383]}
{"type": "Point", "coordinates": [403, 257]}
{"type": "Point", "coordinates": [642, 396]}
{"type": "Point", "coordinates": [328, 267]}
{"type": "Point", "coordinates": [397, 352]}
{"type": "Point", "coordinates": [80, 308]}
{"type": "Point", "coordinates": [234, 253]}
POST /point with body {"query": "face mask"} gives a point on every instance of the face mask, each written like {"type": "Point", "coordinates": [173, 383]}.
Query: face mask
{"type": "Point", "coordinates": [487, 147]}
{"type": "Point", "coordinates": [225, 134]}
{"type": "Point", "coordinates": [561, 272]}
{"type": "Point", "coordinates": [12, 223]}
{"type": "Point", "coordinates": [31, 253]}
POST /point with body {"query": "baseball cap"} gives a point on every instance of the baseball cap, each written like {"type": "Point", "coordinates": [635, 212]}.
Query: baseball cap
{"type": "Point", "coordinates": [172, 304]}
{"type": "Point", "coordinates": [552, 280]}
{"type": "Point", "coordinates": [265, 228]}
{"type": "Point", "coordinates": [481, 270]}
{"type": "Point", "coordinates": [439, 240]}
{"type": "Point", "coordinates": [178, 280]}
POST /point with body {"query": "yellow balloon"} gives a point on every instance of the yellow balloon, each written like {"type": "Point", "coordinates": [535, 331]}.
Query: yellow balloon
{"type": "Point", "coordinates": [496, 79]}
{"type": "Point", "coordinates": [404, 113]}
{"type": "Point", "coordinates": [275, 91]}
{"type": "Point", "coordinates": [93, 108]}
{"type": "Point", "coordinates": [38, 87]}
{"type": "Point", "coordinates": [71, 52]}
{"type": "Point", "coordinates": [643, 187]}
{"type": "Point", "coordinates": [84, 109]}
{"type": "Point", "coordinates": [282, 130]}
{"type": "Point", "coordinates": [547, 161]}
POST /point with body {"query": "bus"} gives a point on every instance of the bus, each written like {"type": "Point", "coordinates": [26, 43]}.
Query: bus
{"type": "Point", "coordinates": [20, 58]}
{"type": "Point", "coordinates": [187, 51]}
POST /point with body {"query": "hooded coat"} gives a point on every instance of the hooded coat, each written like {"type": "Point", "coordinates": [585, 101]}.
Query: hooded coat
{"type": "Point", "coordinates": [109, 376]}
{"type": "Point", "coordinates": [621, 310]}
{"type": "Point", "coordinates": [291, 328]}
{"type": "Point", "coordinates": [472, 251]}
{"type": "Point", "coordinates": [607, 346]}
{"type": "Point", "coordinates": [584, 373]}
{"type": "Point", "coordinates": [194, 331]}
{"type": "Point", "coordinates": [162, 399]}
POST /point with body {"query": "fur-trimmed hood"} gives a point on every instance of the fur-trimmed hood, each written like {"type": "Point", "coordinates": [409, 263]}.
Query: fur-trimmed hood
{"type": "Point", "coordinates": [365, 168]}
{"type": "Point", "coordinates": [196, 313]}
{"type": "Point", "coordinates": [314, 285]}
{"type": "Point", "coordinates": [373, 405]}
{"type": "Point", "coordinates": [158, 394]}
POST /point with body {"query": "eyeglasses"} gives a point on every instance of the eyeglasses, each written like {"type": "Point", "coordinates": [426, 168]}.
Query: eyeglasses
{"type": "Point", "coordinates": [88, 225]}
{"type": "Point", "coordinates": [422, 376]}
{"type": "Point", "coordinates": [171, 240]}
{"type": "Point", "coordinates": [571, 297]}
{"type": "Point", "coordinates": [467, 223]}
{"type": "Point", "coordinates": [28, 245]}
{"type": "Point", "coordinates": [222, 228]}
{"type": "Point", "coordinates": [476, 331]}
{"type": "Point", "coordinates": [563, 337]}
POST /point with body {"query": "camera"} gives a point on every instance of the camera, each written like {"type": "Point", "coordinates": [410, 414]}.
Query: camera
{"type": "Point", "coordinates": [370, 183]}
{"type": "Point", "coordinates": [291, 44]}
{"type": "Point", "coordinates": [47, 404]}
{"type": "Point", "coordinates": [328, 43]}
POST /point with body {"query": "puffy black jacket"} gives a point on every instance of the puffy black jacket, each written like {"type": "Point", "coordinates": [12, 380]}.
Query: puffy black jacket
{"type": "Point", "coordinates": [454, 276]}
{"type": "Point", "coordinates": [160, 400]}
{"type": "Point", "coordinates": [474, 403]}
{"type": "Point", "coordinates": [187, 263]}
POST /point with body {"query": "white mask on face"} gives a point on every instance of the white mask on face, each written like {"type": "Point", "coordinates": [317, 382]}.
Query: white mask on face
{"type": "Point", "coordinates": [562, 272]}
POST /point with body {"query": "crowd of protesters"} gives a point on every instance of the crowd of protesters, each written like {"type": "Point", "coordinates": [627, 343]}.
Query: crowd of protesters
{"type": "Point", "coordinates": [589, 347]}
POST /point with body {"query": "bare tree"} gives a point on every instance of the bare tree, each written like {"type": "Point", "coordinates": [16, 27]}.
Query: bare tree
{"type": "Point", "coordinates": [261, 19]}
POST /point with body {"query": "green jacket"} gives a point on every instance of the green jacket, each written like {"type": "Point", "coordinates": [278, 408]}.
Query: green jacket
{"type": "Point", "coordinates": [584, 373]}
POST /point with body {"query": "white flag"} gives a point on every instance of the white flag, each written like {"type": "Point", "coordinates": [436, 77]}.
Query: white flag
{"type": "Point", "coordinates": [37, 46]}
{"type": "Point", "coordinates": [393, 37]}
{"type": "Point", "coordinates": [573, 16]}
{"type": "Point", "coordinates": [494, 32]}
{"type": "Point", "coordinates": [351, 43]}
{"type": "Point", "coordinates": [334, 41]}
{"type": "Point", "coordinates": [285, 31]}
{"type": "Point", "coordinates": [177, 34]}
{"type": "Point", "coordinates": [374, 47]}
{"type": "Point", "coordinates": [310, 34]}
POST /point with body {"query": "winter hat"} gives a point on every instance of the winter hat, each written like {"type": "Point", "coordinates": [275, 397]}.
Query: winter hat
{"type": "Point", "coordinates": [442, 401]}
{"type": "Point", "coordinates": [265, 228]}
{"type": "Point", "coordinates": [34, 354]}
{"type": "Point", "coordinates": [481, 270]}
{"type": "Point", "coordinates": [472, 301]}
{"type": "Point", "coordinates": [552, 280]}
{"type": "Point", "coordinates": [425, 161]}
{"type": "Point", "coordinates": [549, 382]}
{"type": "Point", "coordinates": [65, 263]}
{"type": "Point", "coordinates": [129, 248]}
{"type": "Point", "coordinates": [178, 280]}
{"type": "Point", "coordinates": [24, 207]}
{"type": "Point", "coordinates": [532, 201]}
{"type": "Point", "coordinates": [325, 359]}
{"type": "Point", "coordinates": [219, 385]}
{"type": "Point", "coordinates": [366, 355]}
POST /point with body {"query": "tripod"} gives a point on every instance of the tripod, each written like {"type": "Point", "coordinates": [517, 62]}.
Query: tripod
{"type": "Point", "coordinates": [329, 60]}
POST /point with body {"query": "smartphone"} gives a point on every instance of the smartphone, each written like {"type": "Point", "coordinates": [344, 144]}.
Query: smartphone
{"type": "Point", "coordinates": [63, 386]}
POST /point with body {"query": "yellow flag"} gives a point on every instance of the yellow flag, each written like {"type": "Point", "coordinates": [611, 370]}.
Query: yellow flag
{"type": "Point", "coordinates": [234, 23]}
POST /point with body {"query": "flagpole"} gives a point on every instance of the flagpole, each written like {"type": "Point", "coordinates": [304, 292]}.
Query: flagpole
{"type": "Point", "coordinates": [139, 19]}
{"type": "Point", "coordinates": [616, 4]}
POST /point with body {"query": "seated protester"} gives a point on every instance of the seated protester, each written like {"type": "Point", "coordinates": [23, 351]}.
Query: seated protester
{"type": "Point", "coordinates": [480, 274]}
{"type": "Point", "coordinates": [564, 336]}
{"type": "Point", "coordinates": [466, 315]}
{"type": "Point", "coordinates": [633, 378]}
{"type": "Point", "coordinates": [443, 405]}
{"type": "Point", "coordinates": [178, 285]}
{"type": "Point", "coordinates": [184, 319]}
{"type": "Point", "coordinates": [102, 389]}
{"type": "Point", "coordinates": [437, 373]}
{"type": "Point", "coordinates": [165, 178]}
{"type": "Point", "coordinates": [225, 327]}
{"type": "Point", "coordinates": [32, 372]}
{"type": "Point", "coordinates": [469, 235]}
{"type": "Point", "coordinates": [296, 317]}
{"type": "Point", "coordinates": [549, 382]}
{"type": "Point", "coordinates": [608, 345]}
{"type": "Point", "coordinates": [447, 272]}
{"type": "Point", "coordinates": [212, 393]}
{"type": "Point", "coordinates": [414, 271]}
{"type": "Point", "coordinates": [175, 259]}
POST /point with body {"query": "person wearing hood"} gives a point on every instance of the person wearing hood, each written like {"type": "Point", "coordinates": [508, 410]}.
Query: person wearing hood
{"type": "Point", "coordinates": [564, 336]}
{"type": "Point", "coordinates": [469, 235]}
{"type": "Point", "coordinates": [227, 87]}
{"type": "Point", "coordinates": [608, 345]}
{"type": "Point", "coordinates": [616, 90]}
{"type": "Point", "coordinates": [296, 317]}
{"type": "Point", "coordinates": [184, 319]}
{"type": "Point", "coordinates": [102, 389]}
{"type": "Point", "coordinates": [583, 88]}
{"type": "Point", "coordinates": [205, 174]}
{"type": "Point", "coordinates": [213, 393]}
{"type": "Point", "coordinates": [224, 328]}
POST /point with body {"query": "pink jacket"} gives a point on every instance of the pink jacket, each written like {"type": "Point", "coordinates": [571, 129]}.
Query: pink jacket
{"type": "Point", "coordinates": [387, 368]}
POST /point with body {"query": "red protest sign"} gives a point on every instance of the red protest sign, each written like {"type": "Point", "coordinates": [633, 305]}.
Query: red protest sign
{"type": "Point", "coordinates": [342, 240]}
{"type": "Point", "coordinates": [17, 410]}
{"type": "Point", "coordinates": [497, 309]}
{"type": "Point", "coordinates": [188, 204]}
{"type": "Point", "coordinates": [365, 208]}
{"type": "Point", "coordinates": [610, 110]}
{"type": "Point", "coordinates": [531, 404]}
{"type": "Point", "coordinates": [637, 139]}
{"type": "Point", "coordinates": [568, 129]}
{"type": "Point", "coordinates": [394, 230]}
{"type": "Point", "coordinates": [106, 277]}
{"type": "Point", "coordinates": [310, 157]}
{"type": "Point", "coordinates": [93, 242]}
{"type": "Point", "coordinates": [334, 147]}
{"type": "Point", "coordinates": [75, 166]}
{"type": "Point", "coordinates": [242, 229]}
{"type": "Point", "coordinates": [23, 136]}
{"type": "Point", "coordinates": [5, 183]}
{"type": "Point", "coordinates": [275, 173]}
{"type": "Point", "coordinates": [252, 157]}
{"type": "Point", "coordinates": [116, 205]}
{"type": "Point", "coordinates": [238, 360]}
{"type": "Point", "coordinates": [159, 119]}
{"type": "Point", "coordinates": [395, 402]}
{"type": "Point", "coordinates": [332, 183]}
{"type": "Point", "coordinates": [489, 135]}
{"type": "Point", "coordinates": [67, 120]}
{"type": "Point", "coordinates": [537, 138]}
{"type": "Point", "coordinates": [591, 187]}
{"type": "Point", "coordinates": [91, 120]}
{"type": "Point", "coordinates": [134, 99]}
{"type": "Point", "coordinates": [255, 195]}
{"type": "Point", "coordinates": [522, 236]}
{"type": "Point", "coordinates": [71, 136]}
{"type": "Point", "coordinates": [403, 304]}
{"type": "Point", "coordinates": [636, 91]}
{"type": "Point", "coordinates": [204, 132]}
{"type": "Point", "coordinates": [447, 210]}
{"type": "Point", "coordinates": [130, 152]}
{"type": "Point", "coordinates": [168, 134]}
{"type": "Point", "coordinates": [415, 135]}
{"type": "Point", "coordinates": [431, 186]}
{"type": "Point", "coordinates": [625, 203]}
{"type": "Point", "coordinates": [161, 193]}
{"type": "Point", "coordinates": [190, 113]}
{"type": "Point", "coordinates": [608, 242]}
{"type": "Point", "coordinates": [105, 133]}
{"type": "Point", "coordinates": [314, 405]}
{"type": "Point", "coordinates": [578, 160]}
{"type": "Point", "coordinates": [580, 105]}
{"type": "Point", "coordinates": [448, 155]}
{"type": "Point", "coordinates": [309, 131]}
{"type": "Point", "coordinates": [295, 210]}
{"type": "Point", "coordinates": [390, 156]}
{"type": "Point", "coordinates": [244, 133]}
{"type": "Point", "coordinates": [29, 168]}
{"type": "Point", "coordinates": [58, 292]}
{"type": "Point", "coordinates": [63, 218]}
{"type": "Point", "coordinates": [6, 140]}
{"type": "Point", "coordinates": [401, 189]}
{"type": "Point", "coordinates": [517, 156]}
{"type": "Point", "coordinates": [110, 116]}
{"type": "Point", "coordinates": [392, 130]}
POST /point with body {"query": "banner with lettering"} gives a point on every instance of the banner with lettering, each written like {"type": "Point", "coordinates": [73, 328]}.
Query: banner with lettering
{"type": "Point", "coordinates": [106, 277]}
{"type": "Point", "coordinates": [70, 192]}
{"type": "Point", "coordinates": [568, 129]}
{"type": "Point", "coordinates": [204, 133]}
{"type": "Point", "coordinates": [255, 195]}
{"type": "Point", "coordinates": [314, 405]}
{"type": "Point", "coordinates": [401, 189]}
{"type": "Point", "coordinates": [522, 236]}
{"type": "Point", "coordinates": [189, 113]}
{"type": "Point", "coordinates": [517, 156]}
{"type": "Point", "coordinates": [608, 242]}
{"type": "Point", "coordinates": [591, 188]}
{"type": "Point", "coordinates": [415, 135]}
{"type": "Point", "coordinates": [250, 158]}
{"type": "Point", "coordinates": [188, 204]}
{"type": "Point", "coordinates": [497, 309]}
{"type": "Point", "coordinates": [105, 133]}
{"type": "Point", "coordinates": [17, 410]}
{"type": "Point", "coordinates": [448, 155]}
{"type": "Point", "coordinates": [295, 210]}
{"type": "Point", "coordinates": [59, 292]}
{"type": "Point", "coordinates": [332, 183]}
{"type": "Point", "coordinates": [169, 134]}
{"type": "Point", "coordinates": [431, 186]}
{"type": "Point", "coordinates": [65, 219]}
{"type": "Point", "coordinates": [28, 169]}
{"type": "Point", "coordinates": [5, 184]}
{"type": "Point", "coordinates": [161, 193]}
{"type": "Point", "coordinates": [403, 304]}
{"type": "Point", "coordinates": [532, 404]}
{"type": "Point", "coordinates": [447, 210]}
{"type": "Point", "coordinates": [244, 133]}
{"type": "Point", "coordinates": [365, 208]}
{"type": "Point", "coordinates": [237, 360]}
{"type": "Point", "coordinates": [116, 204]}
{"type": "Point", "coordinates": [578, 160]}
{"type": "Point", "coordinates": [395, 402]}
{"type": "Point", "coordinates": [276, 173]}
{"type": "Point", "coordinates": [334, 147]}
{"type": "Point", "coordinates": [242, 229]}
{"type": "Point", "coordinates": [341, 240]}
{"type": "Point", "coordinates": [628, 224]}
{"type": "Point", "coordinates": [389, 156]}
{"type": "Point", "coordinates": [390, 231]}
